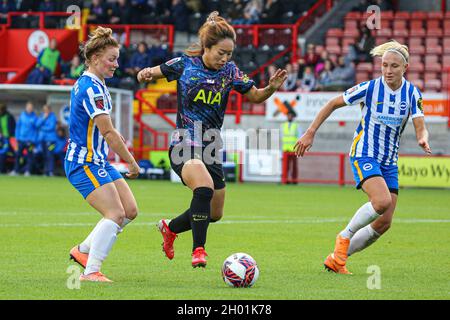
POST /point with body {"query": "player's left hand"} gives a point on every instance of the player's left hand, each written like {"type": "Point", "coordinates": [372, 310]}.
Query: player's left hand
{"type": "Point", "coordinates": [278, 79]}
{"type": "Point", "coordinates": [133, 170]}
{"type": "Point", "coordinates": [423, 143]}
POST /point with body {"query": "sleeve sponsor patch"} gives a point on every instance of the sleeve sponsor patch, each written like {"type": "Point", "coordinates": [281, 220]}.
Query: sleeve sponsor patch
{"type": "Point", "coordinates": [172, 61]}
{"type": "Point", "coordinates": [351, 90]}
{"type": "Point", "coordinates": [99, 102]}
{"type": "Point", "coordinates": [420, 104]}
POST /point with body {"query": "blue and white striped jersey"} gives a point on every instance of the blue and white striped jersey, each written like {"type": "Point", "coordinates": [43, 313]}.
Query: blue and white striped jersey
{"type": "Point", "coordinates": [384, 117]}
{"type": "Point", "coordinates": [89, 98]}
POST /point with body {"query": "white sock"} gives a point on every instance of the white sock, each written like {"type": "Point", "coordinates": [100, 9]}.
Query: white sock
{"type": "Point", "coordinates": [85, 246]}
{"type": "Point", "coordinates": [365, 215]}
{"type": "Point", "coordinates": [102, 242]}
{"type": "Point", "coordinates": [362, 239]}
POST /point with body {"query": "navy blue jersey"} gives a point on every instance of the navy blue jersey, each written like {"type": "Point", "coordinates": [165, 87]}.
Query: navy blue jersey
{"type": "Point", "coordinates": [202, 96]}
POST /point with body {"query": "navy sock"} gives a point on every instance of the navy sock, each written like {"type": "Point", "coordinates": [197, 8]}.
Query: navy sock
{"type": "Point", "coordinates": [181, 223]}
{"type": "Point", "coordinates": [200, 211]}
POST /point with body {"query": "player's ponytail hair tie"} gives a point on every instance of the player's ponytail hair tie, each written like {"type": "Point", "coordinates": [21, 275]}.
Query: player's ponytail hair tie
{"type": "Point", "coordinates": [212, 17]}
{"type": "Point", "coordinates": [391, 46]}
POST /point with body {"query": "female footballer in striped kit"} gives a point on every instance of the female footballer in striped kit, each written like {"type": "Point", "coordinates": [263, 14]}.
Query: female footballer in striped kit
{"type": "Point", "coordinates": [86, 165]}
{"type": "Point", "coordinates": [386, 104]}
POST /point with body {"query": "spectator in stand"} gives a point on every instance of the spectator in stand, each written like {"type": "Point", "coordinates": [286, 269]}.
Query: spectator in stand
{"type": "Point", "coordinates": [342, 76]}
{"type": "Point", "coordinates": [25, 21]}
{"type": "Point", "coordinates": [311, 57]}
{"type": "Point", "coordinates": [121, 13]}
{"type": "Point", "coordinates": [5, 148]}
{"type": "Point", "coordinates": [158, 53]}
{"type": "Point", "coordinates": [321, 63]}
{"type": "Point", "coordinates": [47, 6]}
{"type": "Point", "coordinates": [97, 12]}
{"type": "Point", "coordinates": [46, 125]}
{"type": "Point", "coordinates": [5, 7]}
{"type": "Point", "coordinates": [26, 138]}
{"type": "Point", "coordinates": [47, 62]}
{"type": "Point", "coordinates": [324, 78]}
{"type": "Point", "coordinates": [291, 82]}
{"type": "Point", "coordinates": [74, 69]}
{"type": "Point", "coordinates": [271, 12]}
{"type": "Point", "coordinates": [139, 60]}
{"type": "Point", "coordinates": [60, 146]}
{"type": "Point", "coordinates": [253, 11]}
{"type": "Point", "coordinates": [308, 81]}
{"type": "Point", "coordinates": [234, 12]}
{"type": "Point", "coordinates": [195, 6]}
{"type": "Point", "coordinates": [7, 122]}
{"type": "Point", "coordinates": [180, 15]}
{"type": "Point", "coordinates": [360, 51]}
{"type": "Point", "coordinates": [139, 9]}
{"type": "Point", "coordinates": [384, 5]}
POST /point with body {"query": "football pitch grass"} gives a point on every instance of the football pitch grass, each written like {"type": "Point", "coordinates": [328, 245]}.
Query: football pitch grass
{"type": "Point", "coordinates": [289, 230]}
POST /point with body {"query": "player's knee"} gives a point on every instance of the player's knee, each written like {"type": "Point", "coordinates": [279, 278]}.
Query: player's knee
{"type": "Point", "coordinates": [117, 216]}
{"type": "Point", "coordinates": [216, 215]}
{"type": "Point", "coordinates": [132, 212]}
{"type": "Point", "coordinates": [381, 204]}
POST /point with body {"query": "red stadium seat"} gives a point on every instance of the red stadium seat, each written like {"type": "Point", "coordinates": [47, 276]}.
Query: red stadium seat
{"type": "Point", "coordinates": [446, 44]}
{"type": "Point", "coordinates": [421, 15]}
{"type": "Point", "coordinates": [334, 49]}
{"type": "Point", "coordinates": [416, 24]}
{"type": "Point", "coordinates": [446, 61]}
{"type": "Point", "coordinates": [346, 41]}
{"type": "Point", "coordinates": [364, 66]}
{"type": "Point", "coordinates": [417, 67]}
{"type": "Point", "coordinates": [362, 76]}
{"type": "Point", "coordinates": [417, 49]}
{"type": "Point", "coordinates": [335, 32]}
{"type": "Point", "coordinates": [434, 33]}
{"type": "Point", "coordinates": [436, 66]}
{"type": "Point", "coordinates": [435, 15]}
{"type": "Point", "coordinates": [402, 15]}
{"type": "Point", "coordinates": [384, 32]}
{"type": "Point", "coordinates": [432, 46]}
{"type": "Point", "coordinates": [386, 23]}
{"type": "Point", "coordinates": [412, 76]}
{"type": "Point", "coordinates": [351, 24]}
{"type": "Point", "coordinates": [414, 58]}
{"type": "Point", "coordinates": [418, 83]}
{"type": "Point", "coordinates": [352, 15]}
{"type": "Point", "coordinates": [433, 85]}
{"type": "Point", "coordinates": [433, 24]}
{"type": "Point", "coordinates": [389, 15]}
{"type": "Point", "coordinates": [399, 24]}
{"type": "Point", "coordinates": [403, 32]}
{"type": "Point", "coordinates": [332, 41]}
{"type": "Point", "coordinates": [351, 33]}
{"type": "Point", "coordinates": [381, 40]}
{"type": "Point", "coordinates": [431, 76]}
{"type": "Point", "coordinates": [415, 41]}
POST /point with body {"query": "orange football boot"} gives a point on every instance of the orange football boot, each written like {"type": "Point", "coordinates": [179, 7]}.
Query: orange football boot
{"type": "Point", "coordinates": [336, 261]}
{"type": "Point", "coordinates": [94, 277]}
{"type": "Point", "coordinates": [78, 256]}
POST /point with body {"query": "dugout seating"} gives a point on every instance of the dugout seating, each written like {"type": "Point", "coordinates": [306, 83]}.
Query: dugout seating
{"type": "Point", "coordinates": [427, 35]}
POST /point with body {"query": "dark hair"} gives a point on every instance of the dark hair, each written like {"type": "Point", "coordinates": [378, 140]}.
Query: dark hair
{"type": "Point", "coordinates": [100, 39]}
{"type": "Point", "coordinates": [211, 32]}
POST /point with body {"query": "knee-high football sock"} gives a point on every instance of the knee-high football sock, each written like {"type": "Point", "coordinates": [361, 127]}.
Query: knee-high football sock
{"type": "Point", "coordinates": [362, 239]}
{"type": "Point", "coordinates": [181, 223]}
{"type": "Point", "coordinates": [85, 246]}
{"type": "Point", "coordinates": [102, 242]}
{"type": "Point", "coordinates": [365, 215]}
{"type": "Point", "coordinates": [200, 211]}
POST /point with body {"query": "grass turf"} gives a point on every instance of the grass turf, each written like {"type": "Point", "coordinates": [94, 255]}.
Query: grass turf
{"type": "Point", "coordinates": [289, 230]}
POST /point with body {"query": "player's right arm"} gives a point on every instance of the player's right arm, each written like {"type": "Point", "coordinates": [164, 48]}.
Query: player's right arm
{"type": "Point", "coordinates": [306, 140]}
{"type": "Point", "coordinates": [116, 143]}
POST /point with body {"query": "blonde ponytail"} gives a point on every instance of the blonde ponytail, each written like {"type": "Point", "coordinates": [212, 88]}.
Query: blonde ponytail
{"type": "Point", "coordinates": [391, 46]}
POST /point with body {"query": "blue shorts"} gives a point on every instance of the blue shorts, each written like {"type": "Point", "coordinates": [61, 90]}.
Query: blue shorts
{"type": "Point", "coordinates": [88, 176]}
{"type": "Point", "coordinates": [365, 168]}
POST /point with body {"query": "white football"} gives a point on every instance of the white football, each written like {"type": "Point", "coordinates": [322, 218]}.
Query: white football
{"type": "Point", "coordinates": [240, 270]}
